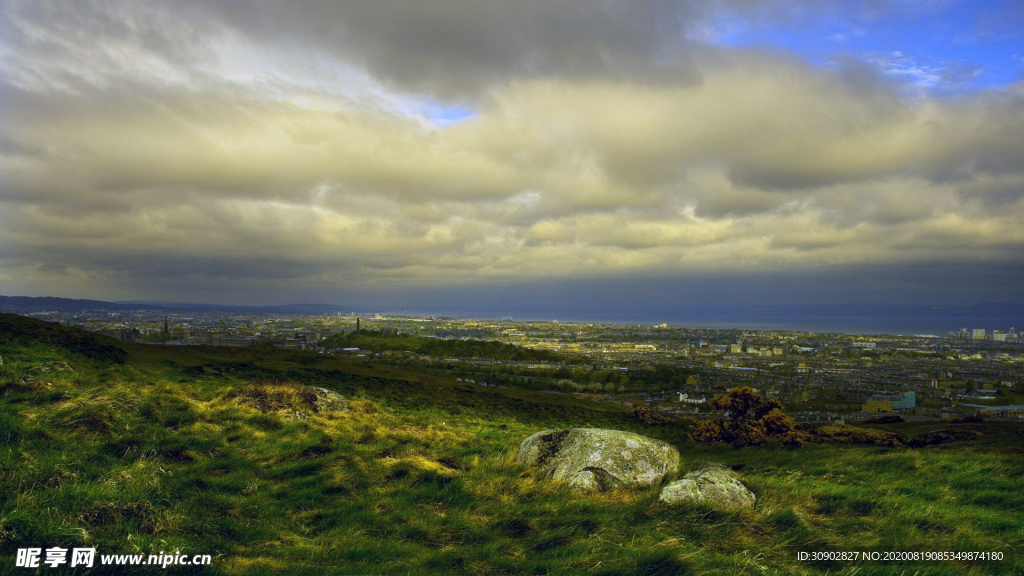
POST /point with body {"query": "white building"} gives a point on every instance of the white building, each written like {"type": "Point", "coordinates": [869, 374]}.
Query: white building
{"type": "Point", "coordinates": [685, 398]}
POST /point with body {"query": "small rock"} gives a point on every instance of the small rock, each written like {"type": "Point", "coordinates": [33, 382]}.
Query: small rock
{"type": "Point", "coordinates": [709, 483]}
{"type": "Point", "coordinates": [330, 401]}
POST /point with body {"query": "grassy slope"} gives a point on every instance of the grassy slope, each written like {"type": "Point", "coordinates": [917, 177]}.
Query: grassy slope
{"type": "Point", "coordinates": [148, 455]}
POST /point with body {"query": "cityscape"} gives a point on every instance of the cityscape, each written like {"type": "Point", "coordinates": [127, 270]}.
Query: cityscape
{"type": "Point", "coordinates": [820, 377]}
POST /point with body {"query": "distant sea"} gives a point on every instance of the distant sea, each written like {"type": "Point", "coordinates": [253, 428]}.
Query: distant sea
{"type": "Point", "coordinates": [893, 320]}
{"type": "Point", "coordinates": [844, 325]}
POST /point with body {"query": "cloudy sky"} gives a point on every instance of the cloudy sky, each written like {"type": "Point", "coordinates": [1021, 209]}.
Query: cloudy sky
{"type": "Point", "coordinates": [452, 152]}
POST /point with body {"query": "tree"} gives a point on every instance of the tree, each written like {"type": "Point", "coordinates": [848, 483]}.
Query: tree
{"type": "Point", "coordinates": [744, 418]}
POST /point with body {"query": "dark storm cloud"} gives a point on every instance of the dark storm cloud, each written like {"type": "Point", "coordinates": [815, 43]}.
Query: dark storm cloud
{"type": "Point", "coordinates": [459, 47]}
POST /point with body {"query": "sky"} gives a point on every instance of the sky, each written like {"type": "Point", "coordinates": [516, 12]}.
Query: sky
{"type": "Point", "coordinates": [615, 154]}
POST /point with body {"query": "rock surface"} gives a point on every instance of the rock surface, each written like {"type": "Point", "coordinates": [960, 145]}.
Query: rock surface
{"type": "Point", "coordinates": [712, 484]}
{"type": "Point", "coordinates": [592, 459]}
{"type": "Point", "coordinates": [329, 401]}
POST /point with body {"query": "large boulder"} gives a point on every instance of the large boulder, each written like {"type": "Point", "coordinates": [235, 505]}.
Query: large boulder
{"type": "Point", "coordinates": [595, 460]}
{"type": "Point", "coordinates": [712, 484]}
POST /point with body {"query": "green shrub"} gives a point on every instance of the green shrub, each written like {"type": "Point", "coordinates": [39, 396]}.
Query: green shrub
{"type": "Point", "coordinates": [743, 418]}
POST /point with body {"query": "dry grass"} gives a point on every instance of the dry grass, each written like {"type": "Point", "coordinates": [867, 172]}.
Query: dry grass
{"type": "Point", "coordinates": [272, 395]}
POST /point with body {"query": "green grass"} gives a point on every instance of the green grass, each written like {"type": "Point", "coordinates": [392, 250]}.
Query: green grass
{"type": "Point", "coordinates": [150, 454]}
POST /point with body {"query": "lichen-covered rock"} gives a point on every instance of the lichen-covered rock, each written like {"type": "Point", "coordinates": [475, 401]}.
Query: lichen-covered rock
{"type": "Point", "coordinates": [712, 484]}
{"type": "Point", "coordinates": [592, 459]}
{"type": "Point", "coordinates": [330, 401]}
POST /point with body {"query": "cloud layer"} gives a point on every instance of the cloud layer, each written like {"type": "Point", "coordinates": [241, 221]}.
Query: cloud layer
{"type": "Point", "coordinates": [260, 149]}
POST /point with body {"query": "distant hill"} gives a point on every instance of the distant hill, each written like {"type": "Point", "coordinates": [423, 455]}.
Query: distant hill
{"type": "Point", "coordinates": [22, 304]}
{"type": "Point", "coordinates": [31, 304]}
{"type": "Point", "coordinates": [22, 331]}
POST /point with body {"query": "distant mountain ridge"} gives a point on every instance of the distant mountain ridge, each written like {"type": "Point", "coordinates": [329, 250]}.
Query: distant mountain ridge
{"type": "Point", "coordinates": [44, 303]}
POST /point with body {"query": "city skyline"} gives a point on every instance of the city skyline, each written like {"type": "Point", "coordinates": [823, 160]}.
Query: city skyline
{"type": "Point", "coordinates": [622, 155]}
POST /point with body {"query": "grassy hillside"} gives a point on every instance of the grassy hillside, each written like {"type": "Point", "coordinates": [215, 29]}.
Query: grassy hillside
{"type": "Point", "coordinates": [136, 449]}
